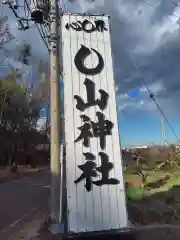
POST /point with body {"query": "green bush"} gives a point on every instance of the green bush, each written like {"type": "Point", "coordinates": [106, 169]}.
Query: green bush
{"type": "Point", "coordinates": [135, 193]}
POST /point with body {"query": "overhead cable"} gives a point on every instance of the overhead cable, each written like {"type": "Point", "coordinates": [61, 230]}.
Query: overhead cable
{"type": "Point", "coordinates": [152, 95]}
{"type": "Point", "coordinates": [41, 34]}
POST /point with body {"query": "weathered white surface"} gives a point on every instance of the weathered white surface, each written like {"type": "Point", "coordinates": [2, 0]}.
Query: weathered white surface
{"type": "Point", "coordinates": [103, 208]}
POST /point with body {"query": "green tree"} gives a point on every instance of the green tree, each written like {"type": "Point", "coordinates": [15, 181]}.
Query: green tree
{"type": "Point", "coordinates": [18, 119]}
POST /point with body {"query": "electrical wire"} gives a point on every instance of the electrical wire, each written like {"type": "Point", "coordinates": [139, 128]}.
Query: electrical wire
{"type": "Point", "coordinates": [174, 3]}
{"type": "Point", "coordinates": [29, 10]}
{"type": "Point", "coordinates": [47, 25]}
{"type": "Point", "coordinates": [150, 92]}
{"type": "Point", "coordinates": [43, 38]}
{"type": "Point", "coordinates": [46, 29]}
{"type": "Point", "coordinates": [43, 35]}
{"type": "Point", "coordinates": [44, 32]}
{"type": "Point", "coordinates": [15, 14]}
{"type": "Point", "coordinates": [152, 95]}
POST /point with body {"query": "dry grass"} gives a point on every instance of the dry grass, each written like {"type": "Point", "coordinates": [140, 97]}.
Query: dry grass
{"type": "Point", "coordinates": [158, 202]}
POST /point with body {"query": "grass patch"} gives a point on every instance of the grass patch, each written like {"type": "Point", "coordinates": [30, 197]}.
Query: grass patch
{"type": "Point", "coordinates": [158, 202]}
{"type": "Point", "coordinates": [135, 193]}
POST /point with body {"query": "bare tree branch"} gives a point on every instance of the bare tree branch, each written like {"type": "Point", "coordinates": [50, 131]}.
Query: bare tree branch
{"type": "Point", "coordinates": [5, 34]}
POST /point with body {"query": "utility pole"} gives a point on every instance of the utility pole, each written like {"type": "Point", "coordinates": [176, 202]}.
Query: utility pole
{"type": "Point", "coordinates": [163, 131]}
{"type": "Point", "coordinates": [55, 112]}
{"type": "Point", "coordinates": [39, 12]}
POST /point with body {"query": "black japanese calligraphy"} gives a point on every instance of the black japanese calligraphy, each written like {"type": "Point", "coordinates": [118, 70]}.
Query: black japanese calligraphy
{"type": "Point", "coordinates": [91, 101]}
{"type": "Point", "coordinates": [90, 169]}
{"type": "Point", "coordinates": [90, 129]}
{"type": "Point", "coordinates": [102, 129]}
{"type": "Point", "coordinates": [80, 57]}
{"type": "Point", "coordinates": [86, 132]}
{"type": "Point", "coordinates": [87, 26]}
{"type": "Point", "coordinates": [88, 172]}
{"type": "Point", "coordinates": [89, 156]}
{"type": "Point", "coordinates": [104, 169]}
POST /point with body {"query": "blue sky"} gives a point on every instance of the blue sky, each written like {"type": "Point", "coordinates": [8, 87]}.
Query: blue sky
{"type": "Point", "coordinates": [143, 127]}
{"type": "Point", "coordinates": [140, 129]}
{"type": "Point", "coordinates": [145, 43]}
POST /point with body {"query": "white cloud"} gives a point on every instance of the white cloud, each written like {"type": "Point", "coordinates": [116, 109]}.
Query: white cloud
{"type": "Point", "coordinates": [154, 35]}
{"type": "Point", "coordinates": [156, 88]}
{"type": "Point", "coordinates": [140, 28]}
{"type": "Point", "coordinates": [142, 102]}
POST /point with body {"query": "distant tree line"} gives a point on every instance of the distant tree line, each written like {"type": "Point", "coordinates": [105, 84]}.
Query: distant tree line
{"type": "Point", "coordinates": [20, 108]}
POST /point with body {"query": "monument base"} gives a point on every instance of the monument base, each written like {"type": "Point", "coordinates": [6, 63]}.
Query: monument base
{"type": "Point", "coordinates": [55, 227]}
{"type": "Point", "coordinates": [121, 234]}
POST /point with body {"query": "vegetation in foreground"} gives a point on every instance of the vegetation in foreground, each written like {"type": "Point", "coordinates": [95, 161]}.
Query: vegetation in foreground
{"type": "Point", "coordinates": [153, 190]}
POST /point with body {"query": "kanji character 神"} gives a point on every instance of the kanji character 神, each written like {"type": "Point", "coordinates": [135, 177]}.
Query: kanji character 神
{"type": "Point", "coordinates": [90, 129]}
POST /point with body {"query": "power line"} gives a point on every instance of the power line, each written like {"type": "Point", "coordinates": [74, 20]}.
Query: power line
{"type": "Point", "coordinates": [44, 33]}
{"type": "Point", "coordinates": [152, 96]}
{"type": "Point", "coordinates": [20, 20]}
{"type": "Point", "coordinates": [46, 29]}
{"type": "Point", "coordinates": [174, 3]}
{"type": "Point", "coordinates": [43, 38]}
{"type": "Point", "coordinates": [150, 92]}
{"type": "Point", "coordinates": [15, 14]}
